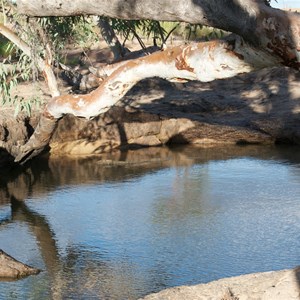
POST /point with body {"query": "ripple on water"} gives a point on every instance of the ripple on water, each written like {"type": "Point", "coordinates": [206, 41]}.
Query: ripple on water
{"type": "Point", "coordinates": [123, 231]}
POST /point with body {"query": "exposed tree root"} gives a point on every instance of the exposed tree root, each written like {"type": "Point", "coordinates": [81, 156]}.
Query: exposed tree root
{"type": "Point", "coordinates": [39, 140]}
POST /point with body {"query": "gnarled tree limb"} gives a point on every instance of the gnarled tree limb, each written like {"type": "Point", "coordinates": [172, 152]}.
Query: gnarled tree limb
{"type": "Point", "coordinates": [274, 36]}
{"type": "Point", "coordinates": [205, 61]}
{"type": "Point", "coordinates": [275, 30]}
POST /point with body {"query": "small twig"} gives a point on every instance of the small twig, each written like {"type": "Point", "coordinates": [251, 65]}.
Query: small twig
{"type": "Point", "coordinates": [138, 38]}
{"type": "Point", "coordinates": [171, 31]}
{"type": "Point", "coordinates": [163, 40]}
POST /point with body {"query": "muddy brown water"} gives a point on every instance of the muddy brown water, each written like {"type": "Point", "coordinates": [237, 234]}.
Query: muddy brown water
{"type": "Point", "coordinates": [124, 225]}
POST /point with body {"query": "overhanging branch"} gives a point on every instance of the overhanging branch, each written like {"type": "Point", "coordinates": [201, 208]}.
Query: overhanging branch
{"type": "Point", "coordinates": [205, 61]}
{"type": "Point", "coordinates": [274, 30]}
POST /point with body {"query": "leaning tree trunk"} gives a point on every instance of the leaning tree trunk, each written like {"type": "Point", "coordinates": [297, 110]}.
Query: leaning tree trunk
{"type": "Point", "coordinates": [205, 61]}
{"type": "Point", "coordinates": [275, 30]}
{"type": "Point", "coordinates": [272, 37]}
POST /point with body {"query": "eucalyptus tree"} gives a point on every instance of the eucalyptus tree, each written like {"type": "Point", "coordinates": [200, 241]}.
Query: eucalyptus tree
{"type": "Point", "coordinates": [264, 37]}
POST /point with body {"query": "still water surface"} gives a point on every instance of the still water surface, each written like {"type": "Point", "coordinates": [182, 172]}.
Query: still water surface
{"type": "Point", "coordinates": [124, 226]}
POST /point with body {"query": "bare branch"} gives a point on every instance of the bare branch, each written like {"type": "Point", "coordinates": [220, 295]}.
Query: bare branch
{"type": "Point", "coordinates": [10, 35]}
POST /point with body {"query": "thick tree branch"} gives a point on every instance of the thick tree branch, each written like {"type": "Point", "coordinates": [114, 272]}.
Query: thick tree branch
{"type": "Point", "coordinates": [10, 35]}
{"type": "Point", "coordinates": [275, 30]}
{"type": "Point", "coordinates": [274, 36]}
{"type": "Point", "coordinates": [203, 61]}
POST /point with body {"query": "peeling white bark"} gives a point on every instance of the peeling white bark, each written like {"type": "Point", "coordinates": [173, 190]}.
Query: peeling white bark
{"type": "Point", "coordinates": [273, 34]}
{"type": "Point", "coordinates": [205, 61]}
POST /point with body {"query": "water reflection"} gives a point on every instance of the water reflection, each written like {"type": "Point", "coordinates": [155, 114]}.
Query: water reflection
{"type": "Point", "coordinates": [97, 221]}
{"type": "Point", "coordinates": [40, 228]}
{"type": "Point", "coordinates": [45, 175]}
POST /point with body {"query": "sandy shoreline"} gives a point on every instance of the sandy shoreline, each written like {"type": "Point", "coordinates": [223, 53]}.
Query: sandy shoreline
{"type": "Point", "coordinates": [274, 285]}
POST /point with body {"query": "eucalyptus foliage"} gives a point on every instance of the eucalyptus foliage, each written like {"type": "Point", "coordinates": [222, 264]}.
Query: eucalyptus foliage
{"type": "Point", "coordinates": [10, 75]}
{"type": "Point", "coordinates": [130, 29]}
{"type": "Point", "coordinates": [47, 37]}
